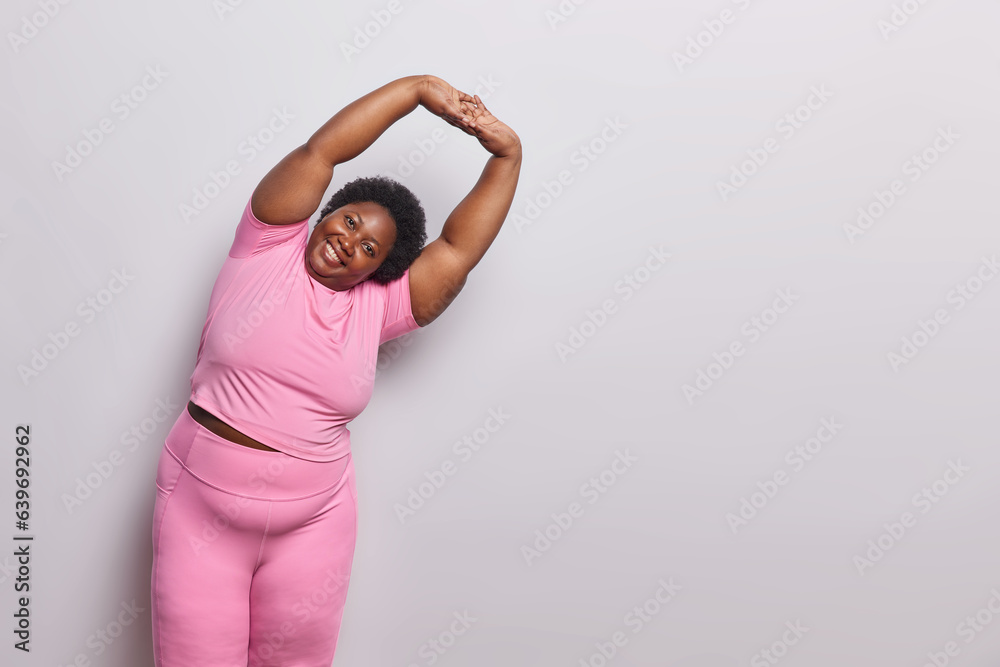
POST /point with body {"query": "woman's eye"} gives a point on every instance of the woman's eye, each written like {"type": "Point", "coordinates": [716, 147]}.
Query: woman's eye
{"type": "Point", "coordinates": [370, 250]}
{"type": "Point", "coordinates": [350, 222]}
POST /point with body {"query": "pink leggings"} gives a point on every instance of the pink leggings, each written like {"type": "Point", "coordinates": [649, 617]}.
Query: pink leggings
{"type": "Point", "coordinates": [252, 553]}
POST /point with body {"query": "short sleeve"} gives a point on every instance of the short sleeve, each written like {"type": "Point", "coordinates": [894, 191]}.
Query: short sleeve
{"type": "Point", "coordinates": [398, 318]}
{"type": "Point", "coordinates": [254, 237]}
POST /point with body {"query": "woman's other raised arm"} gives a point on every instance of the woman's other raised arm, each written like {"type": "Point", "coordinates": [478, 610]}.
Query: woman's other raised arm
{"type": "Point", "coordinates": [440, 272]}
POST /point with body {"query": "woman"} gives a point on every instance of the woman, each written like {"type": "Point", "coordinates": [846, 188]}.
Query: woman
{"type": "Point", "coordinates": [254, 522]}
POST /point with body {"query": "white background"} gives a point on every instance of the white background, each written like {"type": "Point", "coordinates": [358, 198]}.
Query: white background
{"type": "Point", "coordinates": [685, 127]}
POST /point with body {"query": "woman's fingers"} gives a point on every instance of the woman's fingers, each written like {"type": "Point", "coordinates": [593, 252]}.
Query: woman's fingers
{"type": "Point", "coordinates": [468, 111]}
{"type": "Point", "coordinates": [476, 119]}
{"type": "Point", "coordinates": [482, 106]}
{"type": "Point", "coordinates": [470, 114]}
{"type": "Point", "coordinates": [463, 123]}
{"type": "Point", "coordinates": [459, 98]}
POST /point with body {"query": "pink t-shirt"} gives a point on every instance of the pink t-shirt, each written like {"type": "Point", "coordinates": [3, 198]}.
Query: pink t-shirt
{"type": "Point", "coordinates": [284, 359]}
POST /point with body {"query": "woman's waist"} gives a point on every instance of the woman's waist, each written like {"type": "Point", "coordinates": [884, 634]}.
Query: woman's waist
{"type": "Point", "coordinates": [222, 429]}
{"type": "Point", "coordinates": [247, 471]}
{"type": "Point", "coordinates": [259, 418]}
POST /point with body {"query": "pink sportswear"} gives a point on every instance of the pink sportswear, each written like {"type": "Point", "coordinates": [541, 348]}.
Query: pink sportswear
{"type": "Point", "coordinates": [284, 359]}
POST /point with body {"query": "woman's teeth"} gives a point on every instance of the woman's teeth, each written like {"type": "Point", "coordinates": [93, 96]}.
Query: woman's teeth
{"type": "Point", "coordinates": [330, 255]}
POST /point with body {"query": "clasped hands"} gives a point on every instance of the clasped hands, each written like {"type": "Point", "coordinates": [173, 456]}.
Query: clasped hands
{"type": "Point", "coordinates": [469, 114]}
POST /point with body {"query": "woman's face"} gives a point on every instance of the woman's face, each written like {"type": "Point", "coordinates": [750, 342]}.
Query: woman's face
{"type": "Point", "coordinates": [348, 245]}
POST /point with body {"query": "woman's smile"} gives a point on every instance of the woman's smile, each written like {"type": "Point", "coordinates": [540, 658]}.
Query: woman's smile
{"type": "Point", "coordinates": [349, 244]}
{"type": "Point", "coordinates": [331, 256]}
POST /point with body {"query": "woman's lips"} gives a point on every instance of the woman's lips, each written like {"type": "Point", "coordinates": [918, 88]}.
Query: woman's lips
{"type": "Point", "coordinates": [330, 255]}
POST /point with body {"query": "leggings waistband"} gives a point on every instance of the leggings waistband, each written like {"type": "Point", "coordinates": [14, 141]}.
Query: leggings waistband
{"type": "Point", "coordinates": [248, 472]}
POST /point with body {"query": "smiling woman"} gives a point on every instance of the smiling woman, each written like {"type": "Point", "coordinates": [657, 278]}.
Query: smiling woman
{"type": "Point", "coordinates": [256, 502]}
{"type": "Point", "coordinates": [373, 226]}
{"type": "Point", "coordinates": [346, 248]}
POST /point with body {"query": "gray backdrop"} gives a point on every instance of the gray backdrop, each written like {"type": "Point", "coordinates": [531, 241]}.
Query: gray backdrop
{"type": "Point", "coordinates": [723, 392]}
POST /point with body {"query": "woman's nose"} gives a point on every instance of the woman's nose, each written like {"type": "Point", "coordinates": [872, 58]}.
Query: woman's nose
{"type": "Point", "coordinates": [347, 243]}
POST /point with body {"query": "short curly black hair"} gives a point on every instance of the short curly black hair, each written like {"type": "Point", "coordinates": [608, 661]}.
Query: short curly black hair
{"type": "Point", "coordinates": [405, 210]}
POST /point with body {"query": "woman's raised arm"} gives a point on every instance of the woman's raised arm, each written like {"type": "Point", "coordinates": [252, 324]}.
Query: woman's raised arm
{"type": "Point", "coordinates": [440, 272]}
{"type": "Point", "coordinates": [294, 188]}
